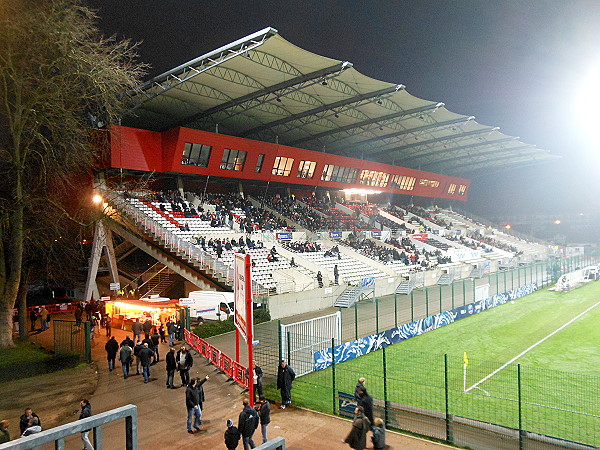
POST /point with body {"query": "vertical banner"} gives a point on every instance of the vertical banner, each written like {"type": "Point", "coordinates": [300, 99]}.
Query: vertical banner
{"type": "Point", "coordinates": [243, 316]}
{"type": "Point", "coordinates": [243, 295]}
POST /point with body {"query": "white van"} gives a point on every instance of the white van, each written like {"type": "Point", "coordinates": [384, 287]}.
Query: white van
{"type": "Point", "coordinates": [209, 305]}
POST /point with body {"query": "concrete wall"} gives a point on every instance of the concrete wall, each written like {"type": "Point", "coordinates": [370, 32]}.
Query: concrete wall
{"type": "Point", "coordinates": [285, 305]}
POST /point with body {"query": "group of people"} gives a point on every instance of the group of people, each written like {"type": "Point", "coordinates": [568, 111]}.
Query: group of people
{"type": "Point", "coordinates": [364, 421]}
{"type": "Point", "coordinates": [30, 423]}
{"type": "Point", "coordinates": [41, 313]}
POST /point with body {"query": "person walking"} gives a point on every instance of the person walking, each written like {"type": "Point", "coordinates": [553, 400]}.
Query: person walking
{"type": "Point", "coordinates": [363, 398]}
{"type": "Point", "coordinates": [184, 364]}
{"type": "Point", "coordinates": [357, 438]}
{"type": "Point", "coordinates": [264, 413]}
{"type": "Point", "coordinates": [155, 338]}
{"type": "Point", "coordinates": [378, 437]}
{"type": "Point", "coordinates": [336, 275]}
{"type": "Point", "coordinates": [320, 279]}
{"type": "Point", "coordinates": [147, 327]}
{"type": "Point", "coordinates": [136, 328]}
{"type": "Point", "coordinates": [247, 423]}
{"type": "Point", "coordinates": [171, 329]}
{"type": "Point", "coordinates": [126, 358]}
{"type": "Point", "coordinates": [171, 366]}
{"type": "Point", "coordinates": [232, 435]}
{"type": "Point", "coordinates": [285, 378]}
{"type": "Point", "coordinates": [86, 411]}
{"type": "Point", "coordinates": [194, 398]}
{"type": "Point", "coordinates": [111, 347]}
{"type": "Point", "coordinates": [108, 325]}
{"type": "Point", "coordinates": [146, 359]}
{"type": "Point", "coordinates": [136, 352]}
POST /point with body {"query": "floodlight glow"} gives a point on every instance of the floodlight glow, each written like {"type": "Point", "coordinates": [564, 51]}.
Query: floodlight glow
{"type": "Point", "coordinates": [557, 222]}
{"type": "Point", "coordinates": [97, 199]}
{"type": "Point", "coordinates": [588, 100]}
{"type": "Point", "coordinates": [507, 226]}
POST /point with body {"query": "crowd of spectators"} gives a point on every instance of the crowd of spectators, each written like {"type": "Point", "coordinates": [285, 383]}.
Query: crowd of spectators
{"type": "Point", "coordinates": [303, 246]}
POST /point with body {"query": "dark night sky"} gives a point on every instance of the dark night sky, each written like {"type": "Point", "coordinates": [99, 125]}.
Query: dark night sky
{"type": "Point", "coordinates": [518, 65]}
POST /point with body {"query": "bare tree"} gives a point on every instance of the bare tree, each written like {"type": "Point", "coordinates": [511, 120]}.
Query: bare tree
{"type": "Point", "coordinates": [59, 79]}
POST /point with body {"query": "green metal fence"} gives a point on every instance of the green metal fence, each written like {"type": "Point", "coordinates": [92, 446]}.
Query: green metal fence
{"type": "Point", "coordinates": [441, 397]}
{"type": "Point", "coordinates": [70, 337]}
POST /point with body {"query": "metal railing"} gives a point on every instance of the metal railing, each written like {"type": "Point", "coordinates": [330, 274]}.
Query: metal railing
{"type": "Point", "coordinates": [58, 434]}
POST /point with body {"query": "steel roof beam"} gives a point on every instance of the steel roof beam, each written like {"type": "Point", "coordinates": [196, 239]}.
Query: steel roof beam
{"type": "Point", "coordinates": [253, 96]}
{"type": "Point", "coordinates": [434, 141]}
{"type": "Point", "coordinates": [321, 109]}
{"type": "Point", "coordinates": [446, 151]}
{"type": "Point", "coordinates": [185, 72]}
{"type": "Point", "coordinates": [505, 156]}
{"type": "Point", "coordinates": [409, 131]}
{"type": "Point", "coordinates": [374, 120]}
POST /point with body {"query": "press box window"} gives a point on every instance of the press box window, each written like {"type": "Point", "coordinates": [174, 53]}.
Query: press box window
{"type": "Point", "coordinates": [452, 188]}
{"type": "Point", "coordinates": [462, 189]}
{"type": "Point", "coordinates": [306, 169]}
{"type": "Point", "coordinates": [233, 159]}
{"type": "Point", "coordinates": [259, 162]}
{"type": "Point", "coordinates": [282, 166]}
{"type": "Point", "coordinates": [196, 154]}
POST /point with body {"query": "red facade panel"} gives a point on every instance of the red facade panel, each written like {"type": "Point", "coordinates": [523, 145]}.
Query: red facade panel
{"type": "Point", "coordinates": [162, 152]}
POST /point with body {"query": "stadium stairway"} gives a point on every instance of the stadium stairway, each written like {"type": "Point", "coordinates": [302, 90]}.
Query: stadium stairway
{"type": "Point", "coordinates": [352, 295]}
{"type": "Point", "coordinates": [202, 276]}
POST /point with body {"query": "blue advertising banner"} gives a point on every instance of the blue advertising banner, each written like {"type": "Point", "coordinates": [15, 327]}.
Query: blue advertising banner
{"type": "Point", "coordinates": [363, 346]}
{"type": "Point", "coordinates": [335, 234]}
{"type": "Point", "coordinates": [376, 234]}
{"type": "Point", "coordinates": [284, 236]}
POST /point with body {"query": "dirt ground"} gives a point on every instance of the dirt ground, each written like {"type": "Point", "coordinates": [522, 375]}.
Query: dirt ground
{"type": "Point", "coordinates": [162, 412]}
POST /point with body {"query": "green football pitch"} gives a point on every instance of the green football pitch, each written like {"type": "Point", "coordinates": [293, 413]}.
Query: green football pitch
{"type": "Point", "coordinates": [533, 362]}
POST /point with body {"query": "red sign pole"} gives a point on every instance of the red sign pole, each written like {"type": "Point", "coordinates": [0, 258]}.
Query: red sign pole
{"type": "Point", "coordinates": [250, 330]}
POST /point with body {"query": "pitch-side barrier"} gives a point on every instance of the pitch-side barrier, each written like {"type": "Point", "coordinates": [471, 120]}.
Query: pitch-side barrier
{"type": "Point", "coordinates": [231, 368]}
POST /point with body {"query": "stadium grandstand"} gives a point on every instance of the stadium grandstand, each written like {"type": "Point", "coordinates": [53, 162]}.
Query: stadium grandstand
{"type": "Point", "coordinates": [260, 143]}
{"type": "Point", "coordinates": [343, 189]}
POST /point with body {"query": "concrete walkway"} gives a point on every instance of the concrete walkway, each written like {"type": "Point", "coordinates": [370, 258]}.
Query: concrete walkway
{"type": "Point", "coordinates": [162, 412]}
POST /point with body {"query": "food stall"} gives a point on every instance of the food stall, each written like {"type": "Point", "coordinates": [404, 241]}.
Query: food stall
{"type": "Point", "coordinates": [157, 309]}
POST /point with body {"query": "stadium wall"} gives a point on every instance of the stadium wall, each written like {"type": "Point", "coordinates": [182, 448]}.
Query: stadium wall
{"type": "Point", "coordinates": [136, 149]}
{"type": "Point", "coordinates": [353, 349]}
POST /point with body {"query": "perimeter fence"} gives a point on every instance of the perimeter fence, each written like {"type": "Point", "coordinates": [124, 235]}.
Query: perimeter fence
{"type": "Point", "coordinates": [435, 395]}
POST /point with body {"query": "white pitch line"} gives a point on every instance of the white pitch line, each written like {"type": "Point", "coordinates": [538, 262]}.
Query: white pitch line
{"type": "Point", "coordinates": [534, 345]}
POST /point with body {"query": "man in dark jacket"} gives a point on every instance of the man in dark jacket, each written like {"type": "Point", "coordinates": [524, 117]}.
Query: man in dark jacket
{"type": "Point", "coordinates": [86, 411]}
{"type": "Point", "coordinates": [126, 357]}
{"type": "Point", "coordinates": [147, 327]}
{"type": "Point", "coordinates": [136, 328]}
{"type": "Point", "coordinates": [26, 418]}
{"type": "Point", "coordinates": [257, 380]}
{"type": "Point", "coordinates": [127, 341]}
{"type": "Point", "coordinates": [145, 356]}
{"type": "Point", "coordinates": [155, 338]}
{"type": "Point", "coordinates": [194, 398]}
{"type": "Point", "coordinates": [111, 347]}
{"type": "Point", "coordinates": [184, 364]}
{"type": "Point", "coordinates": [364, 399]}
{"type": "Point", "coordinates": [357, 438]}
{"type": "Point", "coordinates": [285, 377]}
{"type": "Point", "coordinates": [171, 366]}
{"type": "Point", "coordinates": [232, 435]}
{"type": "Point", "coordinates": [247, 423]}
{"type": "Point", "coordinates": [264, 412]}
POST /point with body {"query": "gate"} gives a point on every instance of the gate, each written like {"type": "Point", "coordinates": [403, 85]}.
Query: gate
{"type": "Point", "coordinates": [299, 341]}
{"type": "Point", "coordinates": [71, 338]}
